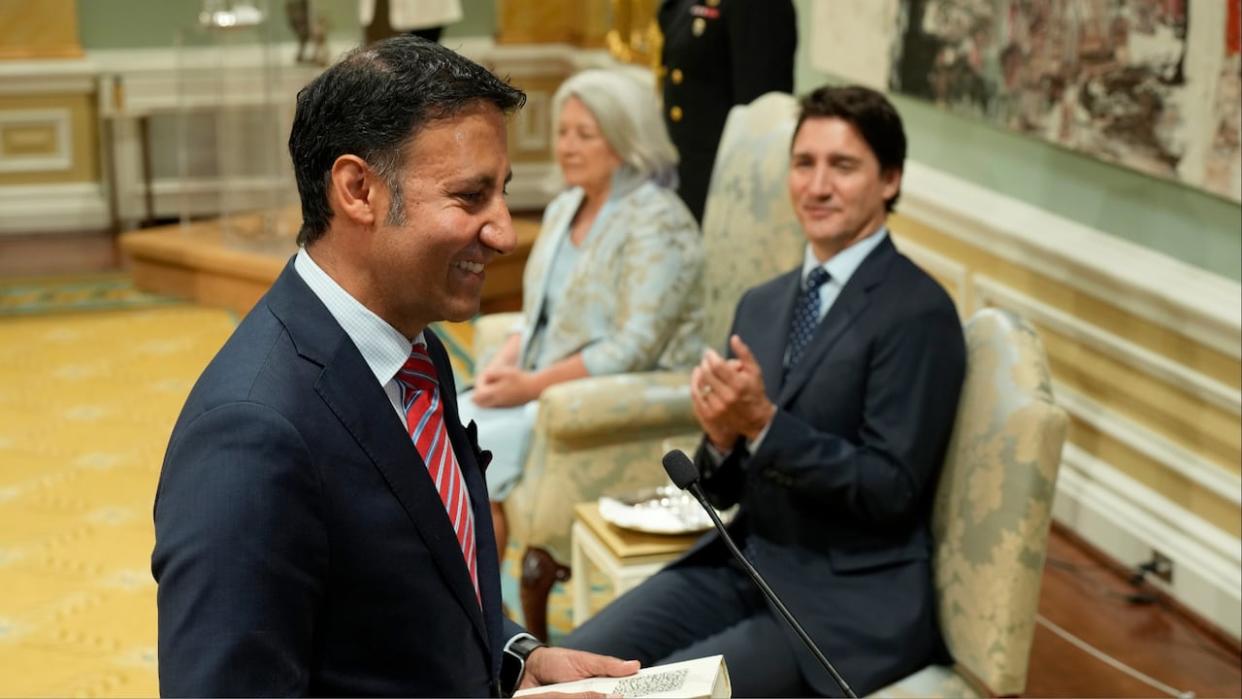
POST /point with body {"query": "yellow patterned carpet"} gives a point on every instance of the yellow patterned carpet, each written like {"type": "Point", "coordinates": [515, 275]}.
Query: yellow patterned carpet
{"type": "Point", "coordinates": [87, 400]}
{"type": "Point", "coordinates": [102, 291]}
{"type": "Point", "coordinates": [86, 404]}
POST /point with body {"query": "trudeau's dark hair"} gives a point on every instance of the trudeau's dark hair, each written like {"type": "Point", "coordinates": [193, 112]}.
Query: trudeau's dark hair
{"type": "Point", "coordinates": [868, 111]}
{"type": "Point", "coordinates": [370, 104]}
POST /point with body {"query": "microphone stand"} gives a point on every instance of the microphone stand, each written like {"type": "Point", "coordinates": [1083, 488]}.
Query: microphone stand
{"type": "Point", "coordinates": [697, 492]}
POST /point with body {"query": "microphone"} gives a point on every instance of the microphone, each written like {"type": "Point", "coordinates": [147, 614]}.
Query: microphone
{"type": "Point", "coordinates": [686, 477]}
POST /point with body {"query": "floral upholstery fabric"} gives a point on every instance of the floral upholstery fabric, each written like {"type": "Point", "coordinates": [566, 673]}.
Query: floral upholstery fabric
{"type": "Point", "coordinates": [993, 508]}
{"type": "Point", "coordinates": [490, 332]}
{"type": "Point", "coordinates": [628, 304]}
{"type": "Point", "coordinates": [607, 434]}
{"type": "Point", "coordinates": [750, 234]}
{"type": "Point", "coordinates": [595, 436]}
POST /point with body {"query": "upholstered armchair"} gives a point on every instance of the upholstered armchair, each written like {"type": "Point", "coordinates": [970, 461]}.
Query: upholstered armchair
{"type": "Point", "coordinates": [750, 233]}
{"type": "Point", "coordinates": [992, 512]}
{"type": "Point", "coordinates": [606, 434]}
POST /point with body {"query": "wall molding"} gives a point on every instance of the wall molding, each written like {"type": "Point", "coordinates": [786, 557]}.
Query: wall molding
{"type": "Point", "coordinates": [59, 159]}
{"type": "Point", "coordinates": [1115, 512]}
{"type": "Point", "coordinates": [47, 77]}
{"type": "Point", "coordinates": [1198, 470]}
{"type": "Point", "coordinates": [533, 186]}
{"type": "Point", "coordinates": [138, 83]}
{"type": "Point", "coordinates": [1111, 345]}
{"type": "Point", "coordinates": [1172, 456]}
{"type": "Point", "coordinates": [944, 268]}
{"type": "Point", "coordinates": [1127, 521]}
{"type": "Point", "coordinates": [53, 208]}
{"type": "Point", "coordinates": [1187, 300]}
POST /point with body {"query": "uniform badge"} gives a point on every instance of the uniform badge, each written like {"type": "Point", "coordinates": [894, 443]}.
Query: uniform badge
{"type": "Point", "coordinates": [698, 26]}
{"type": "Point", "coordinates": [705, 12]}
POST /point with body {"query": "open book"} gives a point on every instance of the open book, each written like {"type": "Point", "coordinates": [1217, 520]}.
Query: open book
{"type": "Point", "coordinates": [702, 678]}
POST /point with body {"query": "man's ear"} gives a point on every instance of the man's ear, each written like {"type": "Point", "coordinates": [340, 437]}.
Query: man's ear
{"type": "Point", "coordinates": [356, 192]}
{"type": "Point", "coordinates": [890, 181]}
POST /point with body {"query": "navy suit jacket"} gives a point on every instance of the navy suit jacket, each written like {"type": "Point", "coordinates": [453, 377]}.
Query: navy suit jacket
{"type": "Point", "coordinates": [301, 547]}
{"type": "Point", "coordinates": [835, 502]}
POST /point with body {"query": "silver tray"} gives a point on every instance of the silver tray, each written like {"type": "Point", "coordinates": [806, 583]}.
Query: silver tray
{"type": "Point", "coordinates": [662, 510]}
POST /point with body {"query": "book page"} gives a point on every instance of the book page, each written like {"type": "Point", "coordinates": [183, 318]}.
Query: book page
{"type": "Point", "coordinates": [692, 679]}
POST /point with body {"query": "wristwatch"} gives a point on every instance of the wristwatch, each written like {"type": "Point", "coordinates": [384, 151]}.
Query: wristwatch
{"type": "Point", "coordinates": [513, 661]}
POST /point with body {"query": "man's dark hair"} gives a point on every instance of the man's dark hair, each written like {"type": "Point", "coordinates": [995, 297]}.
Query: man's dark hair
{"type": "Point", "coordinates": [868, 111]}
{"type": "Point", "coordinates": [370, 104]}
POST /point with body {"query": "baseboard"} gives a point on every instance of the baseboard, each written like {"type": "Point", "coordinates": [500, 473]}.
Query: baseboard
{"type": "Point", "coordinates": [53, 208]}
{"type": "Point", "coordinates": [1127, 521]}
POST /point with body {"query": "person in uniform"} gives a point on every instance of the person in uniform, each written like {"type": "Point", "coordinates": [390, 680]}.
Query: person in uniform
{"type": "Point", "coordinates": [718, 53]}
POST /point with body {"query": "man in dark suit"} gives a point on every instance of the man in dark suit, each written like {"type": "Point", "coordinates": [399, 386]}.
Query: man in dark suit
{"type": "Point", "coordinates": [827, 425]}
{"type": "Point", "coordinates": [322, 523]}
{"type": "Point", "coordinates": [717, 54]}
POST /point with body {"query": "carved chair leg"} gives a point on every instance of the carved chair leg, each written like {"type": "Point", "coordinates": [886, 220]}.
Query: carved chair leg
{"type": "Point", "coordinates": [539, 572]}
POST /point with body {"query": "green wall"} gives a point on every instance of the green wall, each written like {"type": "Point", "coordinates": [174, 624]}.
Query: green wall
{"type": "Point", "coordinates": [1181, 222]}
{"type": "Point", "coordinates": [1184, 223]}
{"type": "Point", "coordinates": [114, 24]}
{"type": "Point", "coordinates": [478, 19]}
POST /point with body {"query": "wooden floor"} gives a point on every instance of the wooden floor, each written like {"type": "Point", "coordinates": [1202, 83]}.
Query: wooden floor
{"type": "Point", "coordinates": [1085, 595]}
{"type": "Point", "coordinates": [1082, 594]}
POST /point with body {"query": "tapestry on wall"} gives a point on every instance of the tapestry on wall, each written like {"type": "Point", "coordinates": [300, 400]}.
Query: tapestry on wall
{"type": "Point", "coordinates": [1152, 85]}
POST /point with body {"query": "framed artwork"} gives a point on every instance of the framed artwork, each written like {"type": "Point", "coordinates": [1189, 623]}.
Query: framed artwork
{"type": "Point", "coordinates": [1152, 85]}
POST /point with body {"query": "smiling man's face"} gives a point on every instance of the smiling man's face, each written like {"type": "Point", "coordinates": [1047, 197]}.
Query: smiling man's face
{"type": "Point", "coordinates": [836, 185]}
{"type": "Point", "coordinates": [430, 265]}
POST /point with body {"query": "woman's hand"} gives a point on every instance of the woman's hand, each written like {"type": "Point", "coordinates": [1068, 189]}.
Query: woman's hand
{"type": "Point", "coordinates": [507, 355]}
{"type": "Point", "coordinates": [504, 387]}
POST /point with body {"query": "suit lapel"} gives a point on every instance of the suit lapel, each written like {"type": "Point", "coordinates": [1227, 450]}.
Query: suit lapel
{"type": "Point", "coordinates": [350, 391]}
{"type": "Point", "coordinates": [472, 471]}
{"type": "Point", "coordinates": [849, 305]}
{"type": "Point", "coordinates": [769, 347]}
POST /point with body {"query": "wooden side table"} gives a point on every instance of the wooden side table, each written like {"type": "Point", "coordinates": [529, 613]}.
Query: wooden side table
{"type": "Point", "coordinates": [625, 557]}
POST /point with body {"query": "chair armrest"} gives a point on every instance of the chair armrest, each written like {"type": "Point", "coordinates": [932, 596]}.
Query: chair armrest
{"type": "Point", "coordinates": [620, 406]}
{"type": "Point", "coordinates": [490, 332]}
{"type": "Point", "coordinates": [595, 436]}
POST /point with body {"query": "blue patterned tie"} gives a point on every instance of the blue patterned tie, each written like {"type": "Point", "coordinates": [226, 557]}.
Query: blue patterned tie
{"type": "Point", "coordinates": [805, 315]}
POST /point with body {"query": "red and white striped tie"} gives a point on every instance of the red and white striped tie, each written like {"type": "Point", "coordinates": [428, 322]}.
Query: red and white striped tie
{"type": "Point", "coordinates": [424, 419]}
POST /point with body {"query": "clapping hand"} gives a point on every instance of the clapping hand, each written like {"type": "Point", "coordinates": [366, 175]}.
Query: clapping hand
{"type": "Point", "coordinates": [728, 396]}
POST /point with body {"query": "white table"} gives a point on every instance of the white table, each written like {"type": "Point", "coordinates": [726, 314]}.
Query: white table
{"type": "Point", "coordinates": [625, 557]}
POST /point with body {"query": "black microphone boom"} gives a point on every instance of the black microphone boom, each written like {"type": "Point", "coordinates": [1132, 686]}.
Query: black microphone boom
{"type": "Point", "coordinates": [685, 476]}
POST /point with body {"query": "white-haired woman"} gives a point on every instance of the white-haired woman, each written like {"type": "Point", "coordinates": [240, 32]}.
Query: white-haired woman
{"type": "Point", "coordinates": [613, 282]}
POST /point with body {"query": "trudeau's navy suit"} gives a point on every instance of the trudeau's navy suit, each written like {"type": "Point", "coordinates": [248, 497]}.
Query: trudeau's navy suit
{"type": "Point", "coordinates": [301, 547]}
{"type": "Point", "coordinates": [835, 502]}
